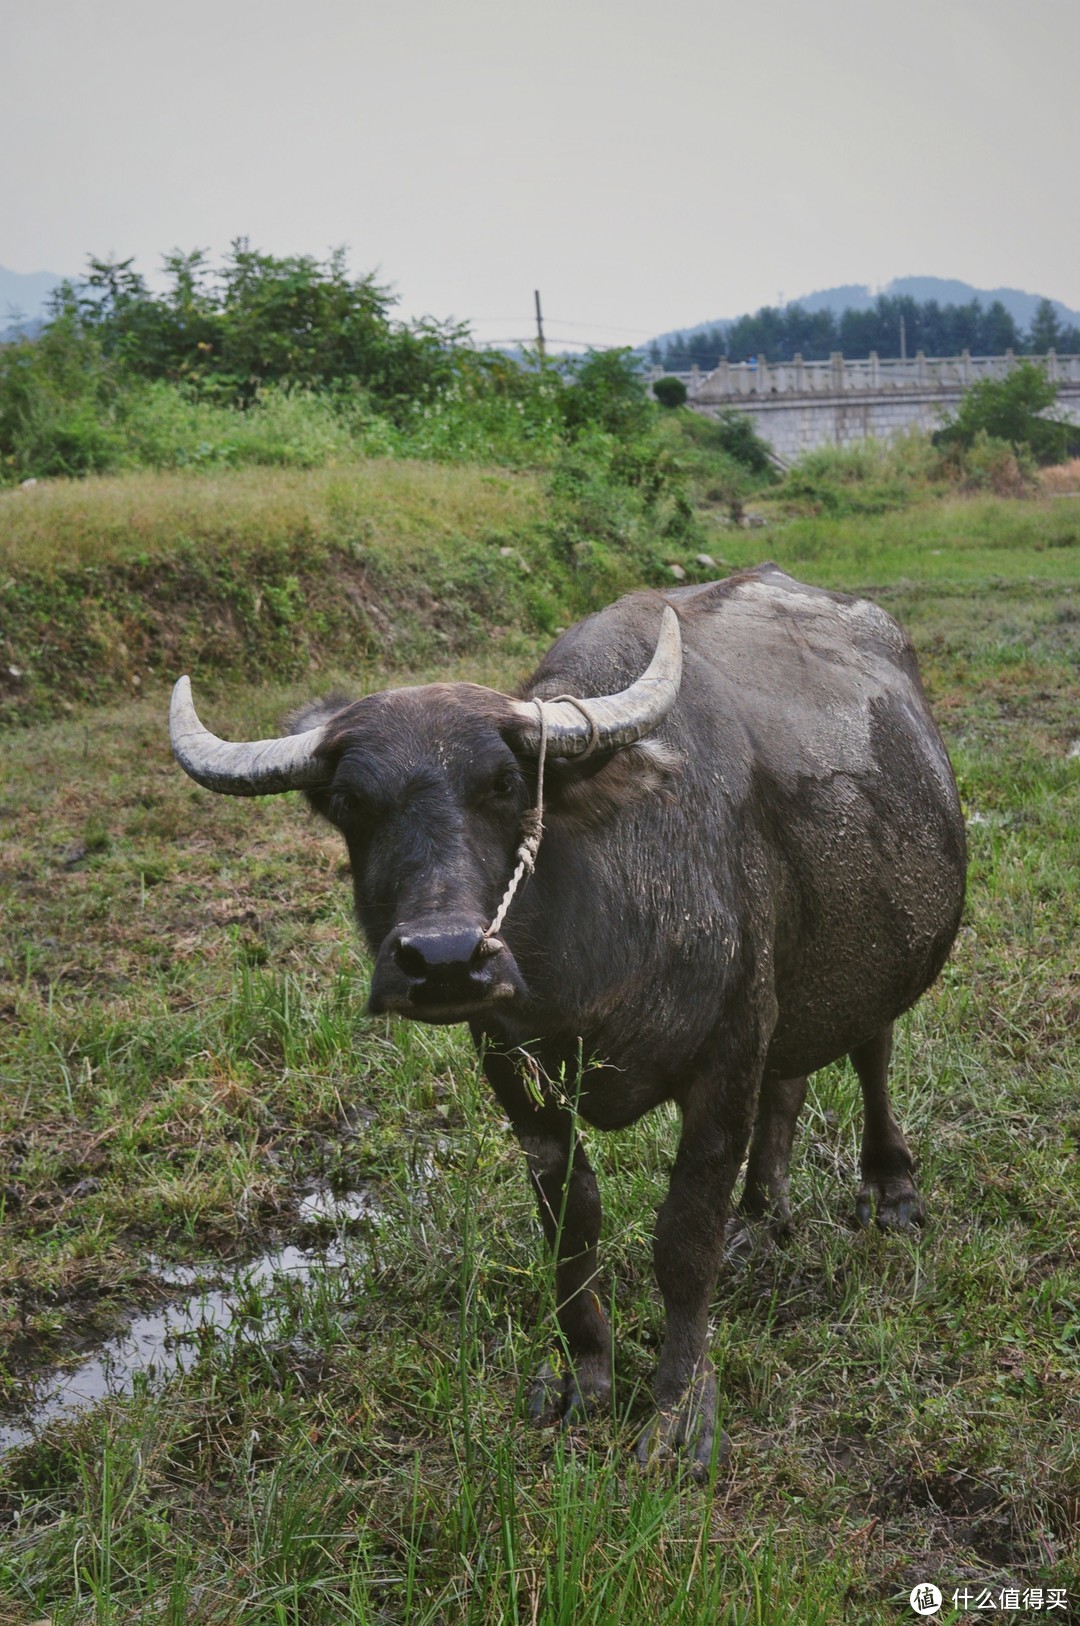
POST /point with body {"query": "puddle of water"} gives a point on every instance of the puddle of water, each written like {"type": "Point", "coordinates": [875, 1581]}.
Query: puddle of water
{"type": "Point", "coordinates": [157, 1346]}
{"type": "Point", "coordinates": [322, 1206]}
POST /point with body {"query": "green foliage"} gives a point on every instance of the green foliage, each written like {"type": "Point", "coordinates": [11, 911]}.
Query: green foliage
{"type": "Point", "coordinates": [606, 391]}
{"type": "Point", "coordinates": [610, 494]}
{"type": "Point", "coordinates": [735, 434]}
{"type": "Point", "coordinates": [60, 403]}
{"type": "Point", "coordinates": [1012, 409]}
{"type": "Point", "coordinates": [670, 392]}
{"type": "Point", "coordinates": [168, 427]}
{"type": "Point", "coordinates": [701, 449]}
{"type": "Point", "coordinates": [289, 362]}
{"type": "Point", "coordinates": [491, 410]}
{"type": "Point", "coordinates": [293, 321]}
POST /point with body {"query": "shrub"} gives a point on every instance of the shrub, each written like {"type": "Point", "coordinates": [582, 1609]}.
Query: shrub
{"type": "Point", "coordinates": [1012, 409]}
{"type": "Point", "coordinates": [607, 493]}
{"type": "Point", "coordinates": [670, 392]}
{"type": "Point", "coordinates": [991, 464]}
{"type": "Point", "coordinates": [59, 405]}
{"type": "Point", "coordinates": [736, 435]}
{"type": "Point", "coordinates": [605, 390]}
{"type": "Point", "coordinates": [166, 427]}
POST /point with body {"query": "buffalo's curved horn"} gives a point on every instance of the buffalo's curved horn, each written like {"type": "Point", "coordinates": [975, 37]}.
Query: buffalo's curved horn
{"type": "Point", "coordinates": [602, 722]}
{"type": "Point", "coordinates": [247, 768]}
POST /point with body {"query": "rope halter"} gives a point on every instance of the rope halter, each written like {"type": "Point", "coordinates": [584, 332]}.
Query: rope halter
{"type": "Point", "coordinates": [532, 820]}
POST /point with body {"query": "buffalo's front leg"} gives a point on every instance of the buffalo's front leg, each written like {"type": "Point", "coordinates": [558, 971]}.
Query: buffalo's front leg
{"type": "Point", "coordinates": [687, 1252]}
{"type": "Point", "coordinates": [888, 1191]}
{"type": "Point", "coordinates": [568, 1199]}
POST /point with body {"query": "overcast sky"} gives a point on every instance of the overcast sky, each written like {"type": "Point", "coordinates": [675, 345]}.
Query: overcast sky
{"type": "Point", "coordinates": [647, 164]}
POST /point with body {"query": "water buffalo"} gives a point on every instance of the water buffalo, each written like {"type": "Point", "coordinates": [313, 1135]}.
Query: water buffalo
{"type": "Point", "coordinates": [752, 862]}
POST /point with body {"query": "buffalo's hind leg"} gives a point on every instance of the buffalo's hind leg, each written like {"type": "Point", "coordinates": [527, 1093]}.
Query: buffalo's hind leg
{"type": "Point", "coordinates": [765, 1192]}
{"type": "Point", "coordinates": [888, 1192]}
{"type": "Point", "coordinates": [568, 1199]}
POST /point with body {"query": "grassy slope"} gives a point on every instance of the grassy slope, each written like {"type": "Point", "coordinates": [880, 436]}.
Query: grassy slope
{"type": "Point", "coordinates": [112, 584]}
{"type": "Point", "coordinates": [183, 1047]}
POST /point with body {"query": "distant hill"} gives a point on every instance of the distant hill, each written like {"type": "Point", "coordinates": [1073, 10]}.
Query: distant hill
{"type": "Point", "coordinates": [1021, 306]}
{"type": "Point", "coordinates": [23, 296]}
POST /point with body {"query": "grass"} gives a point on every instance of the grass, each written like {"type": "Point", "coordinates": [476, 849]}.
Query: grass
{"type": "Point", "coordinates": [112, 519]}
{"type": "Point", "coordinates": [184, 1050]}
{"type": "Point", "coordinates": [109, 584]}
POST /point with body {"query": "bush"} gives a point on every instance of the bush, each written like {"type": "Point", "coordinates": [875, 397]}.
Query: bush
{"type": "Point", "coordinates": [606, 493]}
{"type": "Point", "coordinates": [605, 390]}
{"type": "Point", "coordinates": [165, 427]}
{"type": "Point", "coordinates": [492, 411]}
{"type": "Point", "coordinates": [670, 392]}
{"type": "Point", "coordinates": [990, 464]}
{"type": "Point", "coordinates": [1012, 409]}
{"type": "Point", "coordinates": [736, 435]}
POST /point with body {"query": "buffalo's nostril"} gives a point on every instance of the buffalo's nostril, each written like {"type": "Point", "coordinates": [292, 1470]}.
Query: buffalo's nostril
{"type": "Point", "coordinates": [435, 953]}
{"type": "Point", "coordinates": [410, 959]}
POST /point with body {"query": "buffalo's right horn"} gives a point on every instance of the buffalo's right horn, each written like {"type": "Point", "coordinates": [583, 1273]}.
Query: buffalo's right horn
{"type": "Point", "coordinates": [602, 722]}
{"type": "Point", "coordinates": [246, 768]}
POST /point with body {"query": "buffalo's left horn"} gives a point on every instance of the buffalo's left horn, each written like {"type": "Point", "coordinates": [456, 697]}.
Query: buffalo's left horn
{"type": "Point", "coordinates": [249, 767]}
{"type": "Point", "coordinates": [603, 722]}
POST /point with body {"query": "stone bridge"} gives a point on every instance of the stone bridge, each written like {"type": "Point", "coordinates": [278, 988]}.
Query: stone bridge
{"type": "Point", "coordinates": [797, 405]}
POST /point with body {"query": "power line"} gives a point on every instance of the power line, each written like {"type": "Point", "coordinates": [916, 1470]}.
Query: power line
{"type": "Point", "coordinates": [607, 327]}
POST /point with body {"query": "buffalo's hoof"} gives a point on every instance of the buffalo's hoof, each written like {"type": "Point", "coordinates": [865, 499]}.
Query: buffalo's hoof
{"type": "Point", "coordinates": [892, 1201]}
{"type": "Point", "coordinates": [687, 1433]}
{"type": "Point", "coordinates": [572, 1395]}
{"type": "Point", "coordinates": [749, 1237]}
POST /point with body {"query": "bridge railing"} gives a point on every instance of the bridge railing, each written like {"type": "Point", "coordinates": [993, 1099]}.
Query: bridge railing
{"type": "Point", "coordinates": [873, 376]}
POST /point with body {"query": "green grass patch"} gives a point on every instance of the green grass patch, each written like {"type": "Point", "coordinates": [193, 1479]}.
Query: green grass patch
{"type": "Point", "coordinates": [184, 1051]}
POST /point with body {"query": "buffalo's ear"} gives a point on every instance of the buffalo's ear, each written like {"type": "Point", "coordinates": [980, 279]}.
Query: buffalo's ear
{"type": "Point", "coordinates": [591, 790]}
{"type": "Point", "coordinates": [317, 713]}
{"type": "Point", "coordinates": [331, 709]}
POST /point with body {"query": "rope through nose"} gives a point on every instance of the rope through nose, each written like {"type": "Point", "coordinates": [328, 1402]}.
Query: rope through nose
{"type": "Point", "coordinates": [532, 821]}
{"type": "Point", "coordinates": [532, 828]}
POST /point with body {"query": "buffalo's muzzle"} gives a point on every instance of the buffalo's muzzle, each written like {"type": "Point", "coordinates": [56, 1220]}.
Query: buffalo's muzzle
{"type": "Point", "coordinates": [441, 972]}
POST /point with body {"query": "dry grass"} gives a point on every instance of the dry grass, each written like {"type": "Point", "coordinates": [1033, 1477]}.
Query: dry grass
{"type": "Point", "coordinates": [1062, 479]}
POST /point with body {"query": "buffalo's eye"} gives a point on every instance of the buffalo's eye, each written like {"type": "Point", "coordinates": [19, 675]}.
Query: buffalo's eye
{"type": "Point", "coordinates": [346, 806]}
{"type": "Point", "coordinates": [504, 784]}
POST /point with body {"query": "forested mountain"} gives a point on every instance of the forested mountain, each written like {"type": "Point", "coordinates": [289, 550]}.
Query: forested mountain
{"type": "Point", "coordinates": [931, 314]}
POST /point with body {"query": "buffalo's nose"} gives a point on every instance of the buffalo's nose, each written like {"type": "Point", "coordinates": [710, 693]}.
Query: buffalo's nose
{"type": "Point", "coordinates": [441, 952]}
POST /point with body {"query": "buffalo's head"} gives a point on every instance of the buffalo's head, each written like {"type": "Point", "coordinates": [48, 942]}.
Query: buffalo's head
{"type": "Point", "coordinates": [429, 787]}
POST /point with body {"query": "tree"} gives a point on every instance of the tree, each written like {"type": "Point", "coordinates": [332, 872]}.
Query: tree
{"type": "Point", "coordinates": [1012, 409]}
{"type": "Point", "coordinates": [606, 391]}
{"type": "Point", "coordinates": [998, 331]}
{"type": "Point", "coordinates": [294, 321]}
{"type": "Point", "coordinates": [1045, 331]}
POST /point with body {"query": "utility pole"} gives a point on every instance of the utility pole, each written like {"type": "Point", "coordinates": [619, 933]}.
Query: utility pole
{"type": "Point", "coordinates": [539, 326]}
{"type": "Point", "coordinates": [903, 340]}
